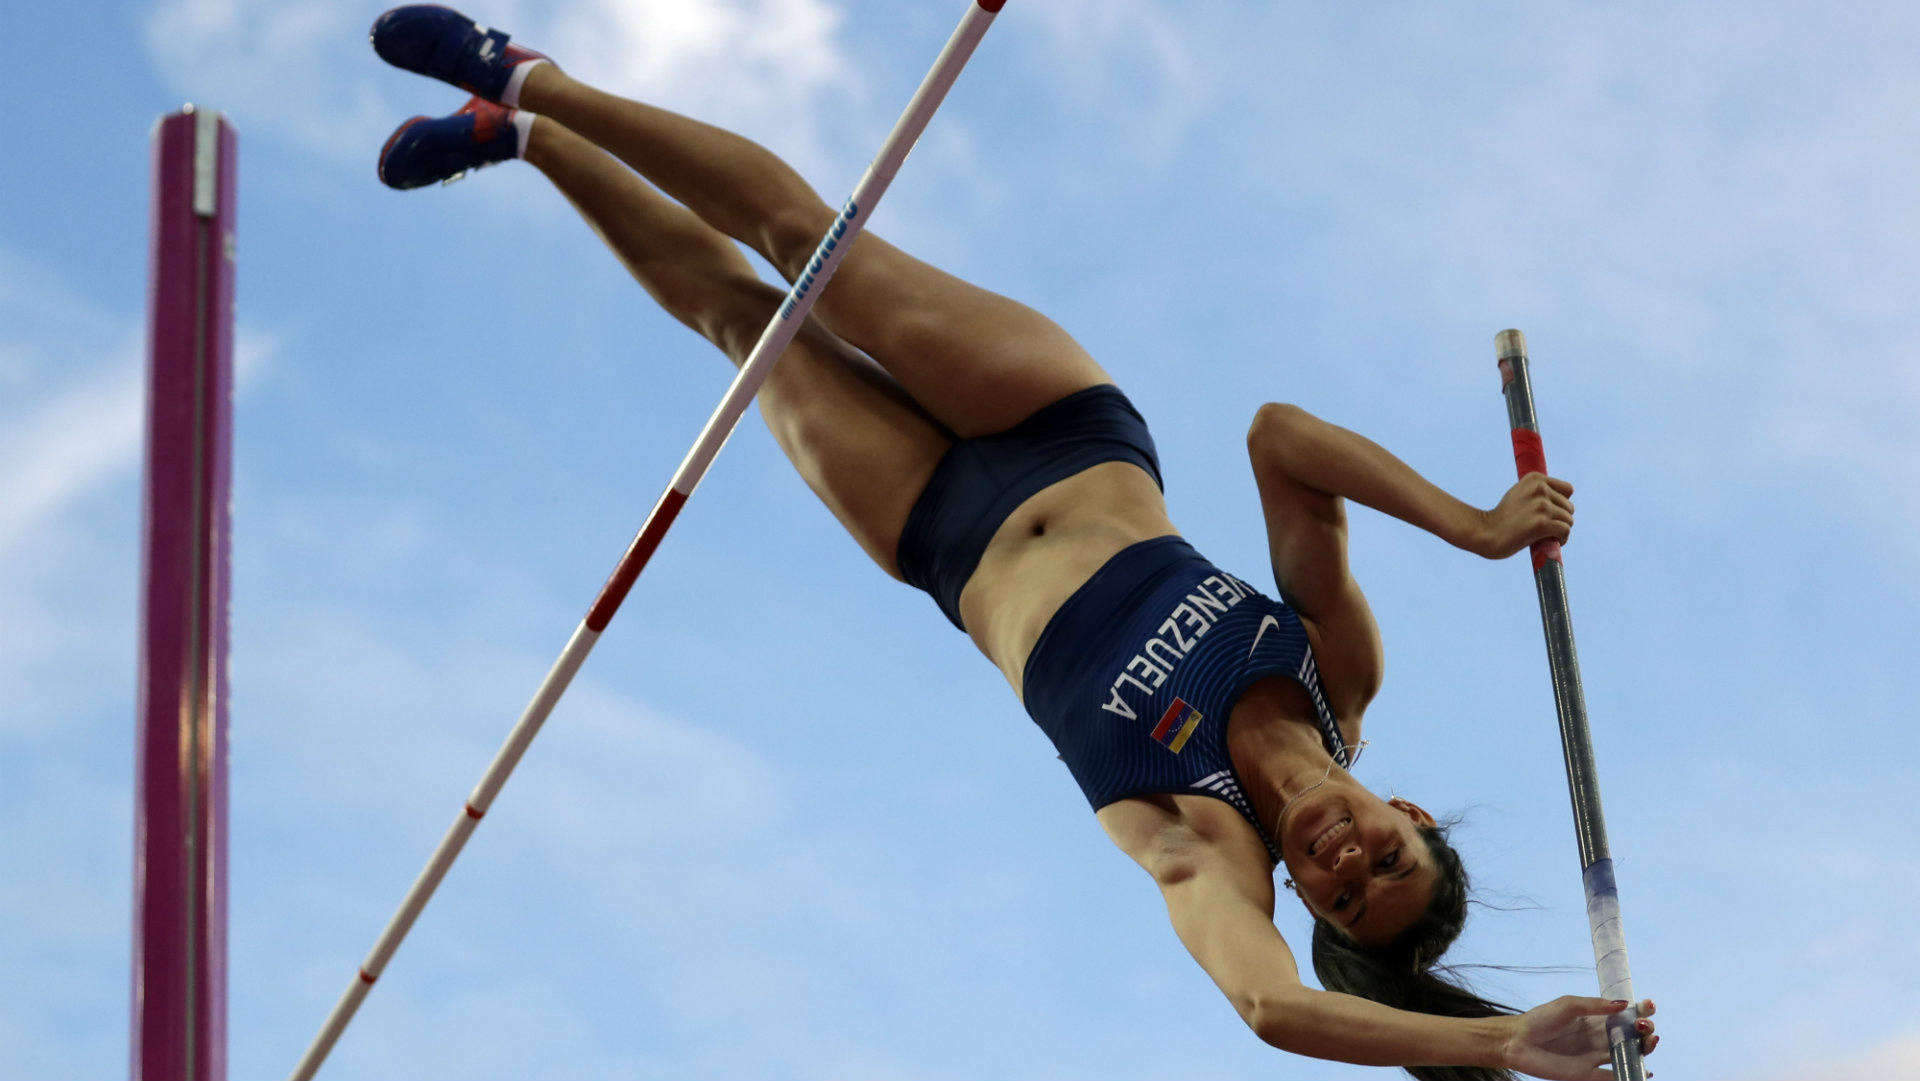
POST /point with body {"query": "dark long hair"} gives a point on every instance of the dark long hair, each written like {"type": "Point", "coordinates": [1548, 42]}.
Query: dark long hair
{"type": "Point", "coordinates": [1402, 973]}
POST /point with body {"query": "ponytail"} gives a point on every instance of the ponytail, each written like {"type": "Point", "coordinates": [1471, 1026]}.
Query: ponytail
{"type": "Point", "coordinates": [1402, 973]}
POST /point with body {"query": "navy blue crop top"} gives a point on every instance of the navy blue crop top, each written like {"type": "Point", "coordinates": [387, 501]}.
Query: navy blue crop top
{"type": "Point", "coordinates": [1135, 676]}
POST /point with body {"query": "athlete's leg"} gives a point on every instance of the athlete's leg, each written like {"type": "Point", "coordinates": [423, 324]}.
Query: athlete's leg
{"type": "Point", "coordinates": [977, 361]}
{"type": "Point", "coordinates": [861, 443]}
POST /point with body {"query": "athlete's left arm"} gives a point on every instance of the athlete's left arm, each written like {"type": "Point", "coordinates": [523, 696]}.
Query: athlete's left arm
{"type": "Point", "coordinates": [1307, 467]}
{"type": "Point", "coordinates": [1297, 452]}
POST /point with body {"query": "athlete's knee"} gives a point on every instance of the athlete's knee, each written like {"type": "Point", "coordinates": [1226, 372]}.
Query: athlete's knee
{"type": "Point", "coordinates": [791, 235]}
{"type": "Point", "coordinates": [1276, 424]}
{"type": "Point", "coordinates": [728, 308]}
{"type": "Point", "coordinates": [738, 315]}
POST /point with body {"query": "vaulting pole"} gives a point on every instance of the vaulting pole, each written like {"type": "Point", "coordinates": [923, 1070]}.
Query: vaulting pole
{"type": "Point", "coordinates": [180, 787]}
{"type": "Point", "coordinates": [773, 341]}
{"type": "Point", "coordinates": [1576, 743]}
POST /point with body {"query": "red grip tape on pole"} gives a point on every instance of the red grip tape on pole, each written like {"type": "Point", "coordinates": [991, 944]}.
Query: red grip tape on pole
{"type": "Point", "coordinates": [1530, 456]}
{"type": "Point", "coordinates": [1528, 453]}
{"type": "Point", "coordinates": [1545, 550]}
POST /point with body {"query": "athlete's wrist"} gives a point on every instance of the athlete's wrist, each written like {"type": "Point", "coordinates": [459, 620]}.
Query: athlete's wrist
{"type": "Point", "coordinates": [1467, 527]}
{"type": "Point", "coordinates": [1501, 1038]}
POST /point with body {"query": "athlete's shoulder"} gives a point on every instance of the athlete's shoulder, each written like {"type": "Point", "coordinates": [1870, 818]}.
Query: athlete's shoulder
{"type": "Point", "coordinates": [1174, 837]}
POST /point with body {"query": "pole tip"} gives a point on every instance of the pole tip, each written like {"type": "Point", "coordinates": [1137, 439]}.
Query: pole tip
{"type": "Point", "coordinates": [1510, 344]}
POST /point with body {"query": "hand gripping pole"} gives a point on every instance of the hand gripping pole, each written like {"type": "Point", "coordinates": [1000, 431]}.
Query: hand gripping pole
{"type": "Point", "coordinates": [773, 341]}
{"type": "Point", "coordinates": [1583, 783]}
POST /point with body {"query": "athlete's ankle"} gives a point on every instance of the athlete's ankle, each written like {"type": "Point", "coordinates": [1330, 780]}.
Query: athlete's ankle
{"type": "Point", "coordinates": [540, 143]}
{"type": "Point", "coordinates": [523, 132]}
{"type": "Point", "coordinates": [531, 85]}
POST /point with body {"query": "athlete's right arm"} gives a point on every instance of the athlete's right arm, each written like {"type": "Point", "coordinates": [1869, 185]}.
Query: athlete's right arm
{"type": "Point", "coordinates": [1214, 874]}
{"type": "Point", "coordinates": [1222, 908]}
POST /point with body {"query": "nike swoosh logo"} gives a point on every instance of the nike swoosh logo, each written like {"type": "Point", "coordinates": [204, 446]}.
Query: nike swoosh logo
{"type": "Point", "coordinates": [1270, 621]}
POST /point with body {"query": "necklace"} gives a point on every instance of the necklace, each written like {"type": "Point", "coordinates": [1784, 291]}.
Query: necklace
{"type": "Point", "coordinates": [1281, 819]}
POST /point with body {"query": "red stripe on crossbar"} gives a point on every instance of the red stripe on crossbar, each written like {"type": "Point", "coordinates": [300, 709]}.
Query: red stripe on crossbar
{"type": "Point", "coordinates": [991, 5]}
{"type": "Point", "coordinates": [474, 813]}
{"type": "Point", "coordinates": [635, 560]}
{"type": "Point", "coordinates": [367, 978]}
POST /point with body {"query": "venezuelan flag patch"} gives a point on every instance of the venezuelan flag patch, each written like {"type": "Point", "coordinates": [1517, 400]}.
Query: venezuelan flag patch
{"type": "Point", "coordinates": [1176, 725]}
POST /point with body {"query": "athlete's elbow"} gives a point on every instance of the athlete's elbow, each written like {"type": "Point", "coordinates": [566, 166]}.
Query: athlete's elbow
{"type": "Point", "coordinates": [1278, 1017]}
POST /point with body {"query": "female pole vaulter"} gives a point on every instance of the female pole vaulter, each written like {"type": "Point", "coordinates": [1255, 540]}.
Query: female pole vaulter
{"type": "Point", "coordinates": [975, 451]}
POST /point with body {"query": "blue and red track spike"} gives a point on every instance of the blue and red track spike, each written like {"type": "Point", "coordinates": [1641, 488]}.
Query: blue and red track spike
{"type": "Point", "coordinates": [430, 150]}
{"type": "Point", "coordinates": [442, 43]}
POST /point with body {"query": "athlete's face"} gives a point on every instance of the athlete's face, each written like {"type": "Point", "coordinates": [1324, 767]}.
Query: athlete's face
{"type": "Point", "coordinates": [1358, 861]}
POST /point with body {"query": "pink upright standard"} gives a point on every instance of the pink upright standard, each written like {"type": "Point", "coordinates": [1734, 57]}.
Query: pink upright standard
{"type": "Point", "coordinates": [180, 801]}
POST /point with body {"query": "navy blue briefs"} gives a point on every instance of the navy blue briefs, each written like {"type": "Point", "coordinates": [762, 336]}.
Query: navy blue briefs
{"type": "Point", "coordinates": [981, 481]}
{"type": "Point", "coordinates": [1135, 676]}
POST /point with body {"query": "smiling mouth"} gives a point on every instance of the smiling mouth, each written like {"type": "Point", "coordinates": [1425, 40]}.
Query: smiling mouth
{"type": "Point", "coordinates": [1329, 834]}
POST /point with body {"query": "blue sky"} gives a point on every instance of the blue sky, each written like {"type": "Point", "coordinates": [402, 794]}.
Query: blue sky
{"type": "Point", "coordinates": [787, 823]}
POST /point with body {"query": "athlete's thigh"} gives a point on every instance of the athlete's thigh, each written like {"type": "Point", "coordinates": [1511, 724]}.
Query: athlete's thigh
{"type": "Point", "coordinates": [976, 360]}
{"type": "Point", "coordinates": [860, 442]}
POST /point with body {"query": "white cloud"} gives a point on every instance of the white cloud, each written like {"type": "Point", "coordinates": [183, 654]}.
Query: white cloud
{"type": "Point", "coordinates": [1717, 223]}
{"type": "Point", "coordinates": [299, 70]}
{"type": "Point", "coordinates": [76, 412]}
{"type": "Point", "coordinates": [303, 70]}
{"type": "Point", "coordinates": [72, 414]}
{"type": "Point", "coordinates": [630, 767]}
{"type": "Point", "coordinates": [66, 446]}
{"type": "Point", "coordinates": [1134, 54]}
{"type": "Point", "coordinates": [1898, 1059]}
{"type": "Point", "coordinates": [644, 832]}
{"type": "Point", "coordinates": [752, 64]}
{"type": "Point", "coordinates": [69, 429]}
